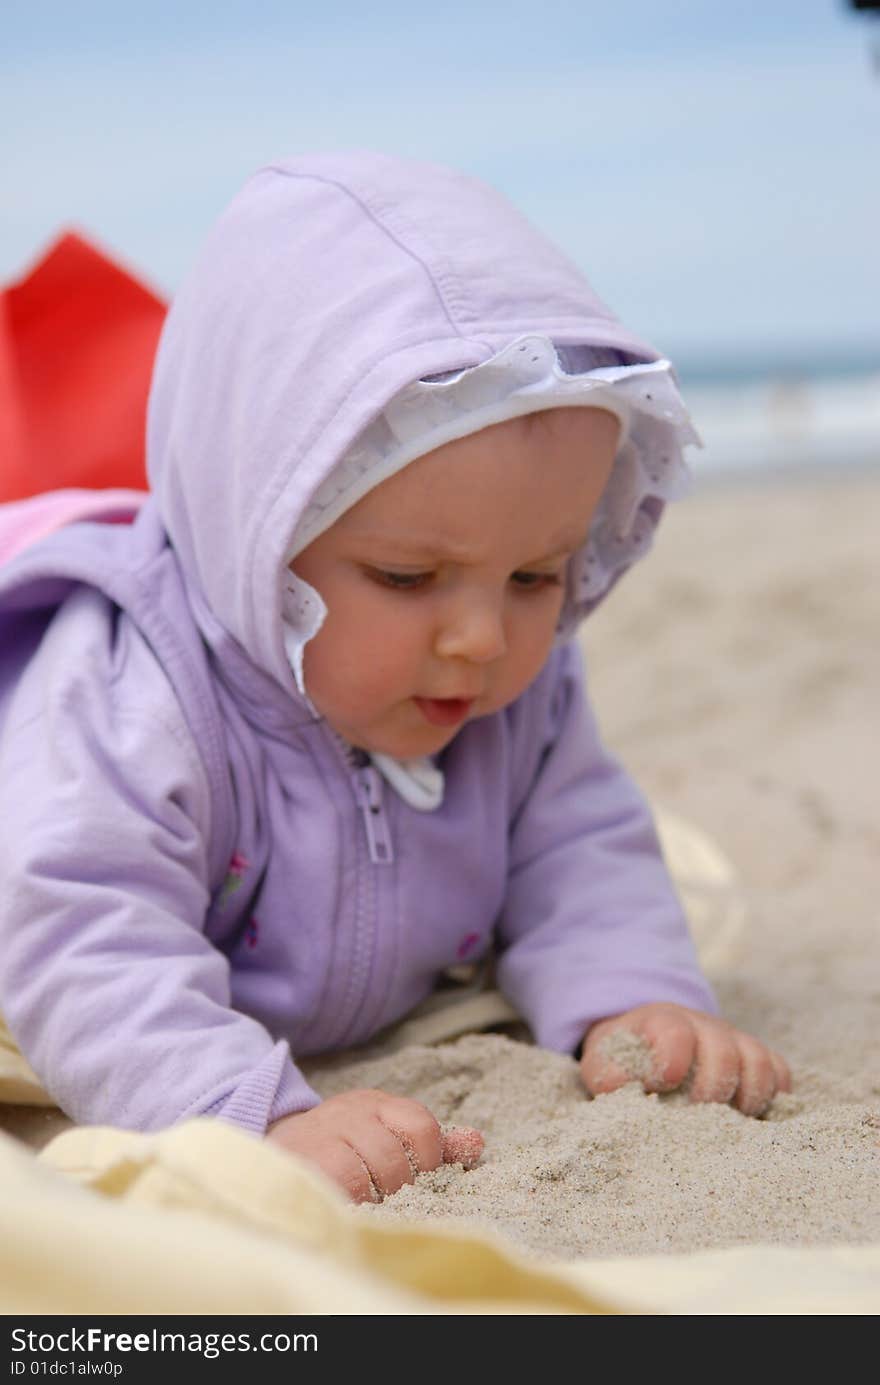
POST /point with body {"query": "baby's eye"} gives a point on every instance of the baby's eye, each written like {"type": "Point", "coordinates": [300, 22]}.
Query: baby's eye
{"type": "Point", "coordinates": [535, 581]}
{"type": "Point", "coordinates": [399, 581]}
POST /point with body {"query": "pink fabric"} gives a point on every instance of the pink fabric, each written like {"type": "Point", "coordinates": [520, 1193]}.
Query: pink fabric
{"type": "Point", "coordinates": [23, 522]}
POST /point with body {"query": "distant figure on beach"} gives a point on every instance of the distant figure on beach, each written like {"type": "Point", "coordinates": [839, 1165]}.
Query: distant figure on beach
{"type": "Point", "coordinates": [789, 411]}
{"type": "Point", "coordinates": [311, 729]}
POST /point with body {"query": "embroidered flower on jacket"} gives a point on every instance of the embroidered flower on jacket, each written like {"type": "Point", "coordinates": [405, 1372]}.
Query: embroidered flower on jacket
{"type": "Point", "coordinates": [467, 945]}
{"type": "Point", "coordinates": [238, 864]}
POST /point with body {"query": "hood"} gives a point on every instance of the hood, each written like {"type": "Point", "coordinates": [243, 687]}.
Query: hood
{"type": "Point", "coordinates": [330, 284]}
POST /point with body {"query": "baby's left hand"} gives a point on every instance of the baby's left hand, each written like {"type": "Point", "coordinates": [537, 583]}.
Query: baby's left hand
{"type": "Point", "coordinates": [723, 1063]}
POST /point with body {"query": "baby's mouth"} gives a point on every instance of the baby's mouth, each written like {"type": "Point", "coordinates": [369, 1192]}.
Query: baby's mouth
{"type": "Point", "coordinates": [444, 711]}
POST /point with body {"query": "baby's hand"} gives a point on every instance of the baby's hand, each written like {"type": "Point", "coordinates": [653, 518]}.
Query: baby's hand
{"type": "Point", "coordinates": [723, 1063]}
{"type": "Point", "coordinates": [371, 1143]}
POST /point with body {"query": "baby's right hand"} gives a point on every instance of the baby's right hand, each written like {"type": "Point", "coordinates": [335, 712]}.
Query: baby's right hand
{"type": "Point", "coordinates": [371, 1143]}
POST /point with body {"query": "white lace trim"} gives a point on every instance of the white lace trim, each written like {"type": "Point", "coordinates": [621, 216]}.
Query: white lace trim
{"type": "Point", "coordinates": [302, 614]}
{"type": "Point", "coordinates": [526, 376]}
{"type": "Point", "coordinates": [523, 378]}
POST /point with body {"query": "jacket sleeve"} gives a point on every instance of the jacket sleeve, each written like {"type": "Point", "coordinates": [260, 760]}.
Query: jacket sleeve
{"type": "Point", "coordinates": [591, 925]}
{"type": "Point", "coordinates": [107, 981]}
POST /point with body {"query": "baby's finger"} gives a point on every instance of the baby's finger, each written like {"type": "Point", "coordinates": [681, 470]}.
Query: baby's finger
{"type": "Point", "coordinates": [757, 1077]}
{"type": "Point", "coordinates": [654, 1046]}
{"type": "Point", "coordinates": [386, 1158]}
{"type": "Point", "coordinates": [346, 1168]}
{"type": "Point", "coordinates": [462, 1145]}
{"type": "Point", "coordinates": [716, 1071]}
{"type": "Point", "coordinates": [417, 1131]}
{"type": "Point", "coordinates": [672, 1038]}
{"type": "Point", "coordinates": [782, 1070]}
{"type": "Point", "coordinates": [603, 1063]}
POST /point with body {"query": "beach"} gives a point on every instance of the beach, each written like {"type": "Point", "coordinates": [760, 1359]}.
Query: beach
{"type": "Point", "coordinates": [736, 674]}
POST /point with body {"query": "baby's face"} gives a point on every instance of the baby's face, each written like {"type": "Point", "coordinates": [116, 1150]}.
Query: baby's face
{"type": "Point", "coordinates": [444, 584]}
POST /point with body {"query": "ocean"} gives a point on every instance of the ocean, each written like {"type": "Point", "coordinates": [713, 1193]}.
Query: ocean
{"type": "Point", "coordinates": [783, 413]}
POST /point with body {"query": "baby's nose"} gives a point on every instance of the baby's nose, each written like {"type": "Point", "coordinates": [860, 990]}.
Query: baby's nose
{"type": "Point", "coordinates": [476, 634]}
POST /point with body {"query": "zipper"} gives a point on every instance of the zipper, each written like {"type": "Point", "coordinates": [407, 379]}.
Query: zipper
{"type": "Point", "coordinates": [369, 796]}
{"type": "Point", "coordinates": [363, 896]}
{"type": "Point", "coordinates": [368, 792]}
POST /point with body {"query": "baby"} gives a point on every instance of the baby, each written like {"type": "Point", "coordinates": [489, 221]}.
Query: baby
{"type": "Point", "coordinates": [312, 729]}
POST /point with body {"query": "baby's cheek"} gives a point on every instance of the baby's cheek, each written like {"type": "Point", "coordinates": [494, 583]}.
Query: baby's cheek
{"type": "Point", "coordinates": [523, 670]}
{"type": "Point", "coordinates": [339, 664]}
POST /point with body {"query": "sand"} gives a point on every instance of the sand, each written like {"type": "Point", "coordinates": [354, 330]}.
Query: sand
{"type": "Point", "coordinates": [737, 674]}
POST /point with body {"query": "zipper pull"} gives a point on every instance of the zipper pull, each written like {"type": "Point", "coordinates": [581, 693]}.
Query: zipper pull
{"type": "Point", "coordinates": [369, 796]}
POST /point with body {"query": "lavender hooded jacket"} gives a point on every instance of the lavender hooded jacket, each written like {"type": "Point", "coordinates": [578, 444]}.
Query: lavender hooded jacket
{"type": "Point", "coordinates": [195, 882]}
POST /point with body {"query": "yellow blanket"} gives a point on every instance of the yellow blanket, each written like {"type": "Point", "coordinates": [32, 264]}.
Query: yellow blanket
{"type": "Point", "coordinates": [204, 1219]}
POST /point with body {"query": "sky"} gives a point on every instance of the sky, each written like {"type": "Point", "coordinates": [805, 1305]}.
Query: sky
{"type": "Point", "coordinates": [712, 165]}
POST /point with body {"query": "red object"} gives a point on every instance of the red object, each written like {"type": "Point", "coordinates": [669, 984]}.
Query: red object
{"type": "Point", "coordinates": [78, 336]}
